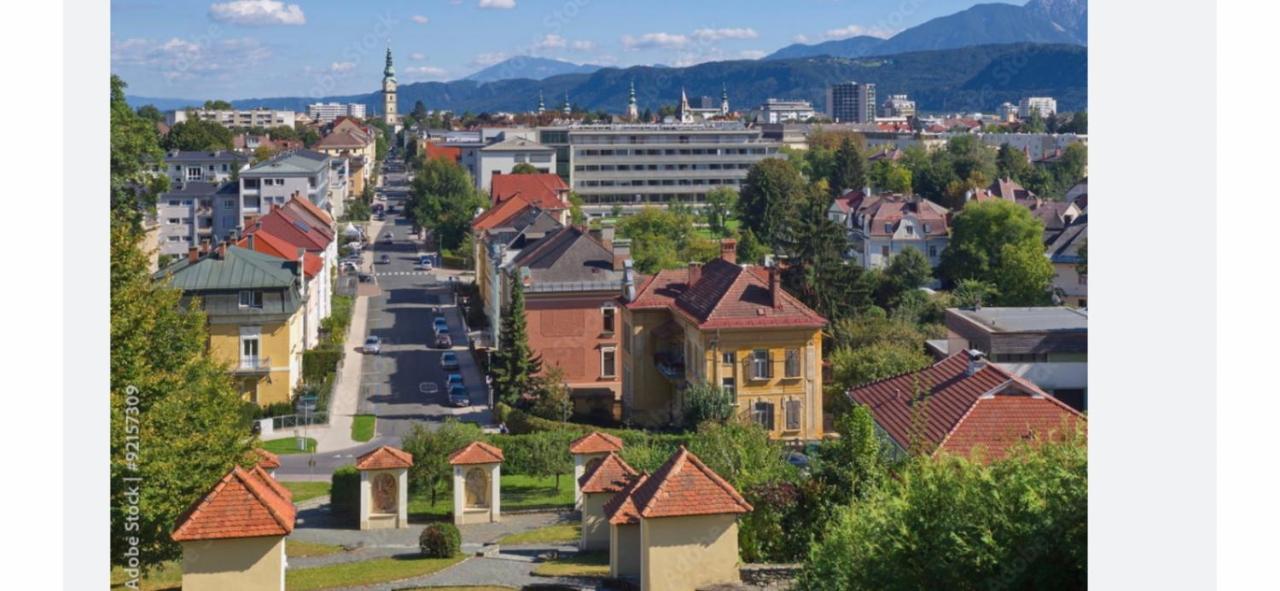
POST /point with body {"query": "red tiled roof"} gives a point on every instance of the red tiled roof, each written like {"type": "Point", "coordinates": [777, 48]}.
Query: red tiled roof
{"type": "Point", "coordinates": [620, 509]}
{"type": "Point", "coordinates": [268, 243]}
{"type": "Point", "coordinates": [726, 296]}
{"type": "Point", "coordinates": [595, 442]}
{"type": "Point", "coordinates": [499, 213]}
{"type": "Point", "coordinates": [339, 139]}
{"type": "Point", "coordinates": [610, 475]}
{"type": "Point", "coordinates": [267, 459]}
{"type": "Point", "coordinates": [546, 190]}
{"type": "Point", "coordinates": [450, 153]}
{"type": "Point", "coordinates": [290, 227]}
{"type": "Point", "coordinates": [684, 486]}
{"type": "Point", "coordinates": [892, 208]}
{"type": "Point", "coordinates": [318, 217]}
{"type": "Point", "coordinates": [384, 458]}
{"type": "Point", "coordinates": [243, 504]}
{"type": "Point", "coordinates": [476, 452]}
{"type": "Point", "coordinates": [1004, 408]}
{"type": "Point", "coordinates": [257, 471]}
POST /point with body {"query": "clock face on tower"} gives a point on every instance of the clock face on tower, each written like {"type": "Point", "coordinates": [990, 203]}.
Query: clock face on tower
{"type": "Point", "coordinates": [386, 493]}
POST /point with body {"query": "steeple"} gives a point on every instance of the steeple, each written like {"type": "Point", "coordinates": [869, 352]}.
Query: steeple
{"type": "Point", "coordinates": [633, 112]}
{"type": "Point", "coordinates": [542, 107]}
{"type": "Point", "coordinates": [683, 113]}
{"type": "Point", "coordinates": [390, 113]}
{"type": "Point", "coordinates": [567, 110]}
{"type": "Point", "coordinates": [390, 71]}
{"type": "Point", "coordinates": [724, 100]}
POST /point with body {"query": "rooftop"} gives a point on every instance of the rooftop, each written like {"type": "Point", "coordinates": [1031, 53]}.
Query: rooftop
{"type": "Point", "coordinates": [726, 295]}
{"type": "Point", "coordinates": [476, 452]}
{"type": "Point", "coordinates": [385, 458]}
{"type": "Point", "coordinates": [546, 190]}
{"type": "Point", "coordinates": [295, 162]}
{"type": "Point", "coordinates": [244, 504]}
{"type": "Point", "coordinates": [595, 442]}
{"type": "Point", "coordinates": [568, 259]}
{"type": "Point", "coordinates": [237, 268]}
{"type": "Point", "coordinates": [228, 156]}
{"type": "Point", "coordinates": [612, 474]}
{"type": "Point", "coordinates": [620, 509]}
{"type": "Point", "coordinates": [1035, 319]}
{"type": "Point", "coordinates": [684, 486]}
{"type": "Point", "coordinates": [516, 143]}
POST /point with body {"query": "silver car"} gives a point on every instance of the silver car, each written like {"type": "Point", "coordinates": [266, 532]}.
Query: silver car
{"type": "Point", "coordinates": [373, 345]}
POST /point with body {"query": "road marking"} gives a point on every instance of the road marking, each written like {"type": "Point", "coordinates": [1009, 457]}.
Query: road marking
{"type": "Point", "coordinates": [401, 273]}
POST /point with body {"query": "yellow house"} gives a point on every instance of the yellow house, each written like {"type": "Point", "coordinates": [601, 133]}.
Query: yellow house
{"type": "Point", "coordinates": [355, 142]}
{"type": "Point", "coordinates": [256, 309]}
{"type": "Point", "coordinates": [729, 326]}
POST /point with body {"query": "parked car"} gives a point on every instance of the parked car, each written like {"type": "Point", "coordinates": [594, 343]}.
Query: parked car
{"type": "Point", "coordinates": [384, 259]}
{"type": "Point", "coordinates": [388, 238]}
{"type": "Point", "coordinates": [458, 396]}
{"type": "Point", "coordinates": [454, 379]}
{"type": "Point", "coordinates": [443, 340]}
{"type": "Point", "coordinates": [373, 345]}
{"type": "Point", "coordinates": [449, 360]}
{"type": "Point", "coordinates": [439, 323]}
{"type": "Point", "coordinates": [350, 267]}
{"type": "Point", "coordinates": [365, 278]}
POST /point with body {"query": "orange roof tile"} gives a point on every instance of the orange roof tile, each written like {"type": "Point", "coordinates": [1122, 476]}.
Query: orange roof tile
{"type": "Point", "coordinates": [384, 458]}
{"type": "Point", "coordinates": [684, 486]}
{"type": "Point", "coordinates": [267, 459]}
{"type": "Point", "coordinates": [476, 452]}
{"type": "Point", "coordinates": [726, 296]}
{"type": "Point", "coordinates": [257, 471]}
{"type": "Point", "coordinates": [499, 213]}
{"type": "Point", "coordinates": [595, 442]}
{"type": "Point", "coordinates": [545, 190]}
{"type": "Point", "coordinates": [241, 505]}
{"type": "Point", "coordinates": [450, 153]}
{"type": "Point", "coordinates": [268, 243]}
{"type": "Point", "coordinates": [620, 509]}
{"type": "Point", "coordinates": [320, 215]}
{"type": "Point", "coordinates": [610, 475]}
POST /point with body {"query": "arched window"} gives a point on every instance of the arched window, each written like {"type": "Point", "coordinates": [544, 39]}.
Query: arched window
{"type": "Point", "coordinates": [477, 487]}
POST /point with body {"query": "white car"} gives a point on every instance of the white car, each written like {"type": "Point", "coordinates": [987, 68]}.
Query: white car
{"type": "Point", "coordinates": [373, 345]}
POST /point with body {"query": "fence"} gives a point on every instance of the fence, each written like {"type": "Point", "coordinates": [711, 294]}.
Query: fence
{"type": "Point", "coordinates": [320, 417]}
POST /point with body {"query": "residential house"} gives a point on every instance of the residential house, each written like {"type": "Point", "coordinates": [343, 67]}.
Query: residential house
{"type": "Point", "coordinates": [1055, 215]}
{"type": "Point", "coordinates": [726, 325]}
{"type": "Point", "coordinates": [1070, 286]}
{"type": "Point", "coordinates": [1078, 194]}
{"type": "Point", "coordinates": [962, 404]}
{"type": "Point", "coordinates": [1048, 346]}
{"type": "Point", "coordinates": [196, 213]}
{"type": "Point", "coordinates": [312, 264]}
{"type": "Point", "coordinates": [500, 157]}
{"type": "Point", "coordinates": [498, 236]}
{"type": "Point", "coordinates": [261, 117]}
{"type": "Point", "coordinates": [201, 166]}
{"type": "Point", "coordinates": [881, 226]}
{"type": "Point", "coordinates": [272, 182]}
{"type": "Point", "coordinates": [547, 191]}
{"type": "Point", "coordinates": [302, 225]}
{"type": "Point", "coordinates": [256, 305]}
{"type": "Point", "coordinates": [356, 144]}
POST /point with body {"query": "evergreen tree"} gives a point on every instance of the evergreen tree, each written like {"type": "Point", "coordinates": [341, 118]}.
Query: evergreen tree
{"type": "Point", "coordinates": [816, 270]}
{"type": "Point", "coordinates": [849, 170]}
{"type": "Point", "coordinates": [514, 365]}
{"type": "Point", "coordinates": [1011, 163]}
{"type": "Point", "coordinates": [770, 196]}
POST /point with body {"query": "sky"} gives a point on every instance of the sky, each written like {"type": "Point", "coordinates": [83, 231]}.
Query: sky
{"type": "Point", "coordinates": [237, 49]}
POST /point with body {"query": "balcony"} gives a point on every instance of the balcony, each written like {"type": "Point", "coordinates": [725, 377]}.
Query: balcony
{"type": "Point", "coordinates": [670, 365]}
{"type": "Point", "coordinates": [253, 365]}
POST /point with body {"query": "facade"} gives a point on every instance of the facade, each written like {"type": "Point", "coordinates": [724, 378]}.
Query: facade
{"type": "Point", "coordinates": [390, 113]}
{"type": "Point", "coordinates": [234, 117]}
{"type": "Point", "coordinates": [354, 143]}
{"type": "Point", "coordinates": [1047, 346]}
{"type": "Point", "coordinates": [634, 165]}
{"type": "Point", "coordinates": [384, 488]}
{"type": "Point", "coordinates": [326, 112]}
{"type": "Point", "coordinates": [301, 225]}
{"type": "Point", "coordinates": [197, 213]}
{"type": "Point", "coordinates": [706, 111]}
{"type": "Point", "coordinates": [1070, 286]}
{"type": "Point", "coordinates": [312, 268]}
{"type": "Point", "coordinates": [485, 161]}
{"type": "Point", "coordinates": [881, 226]}
{"type": "Point", "coordinates": [729, 326]}
{"type": "Point", "coordinates": [256, 309]}
{"type": "Point", "coordinates": [782, 110]}
{"type": "Point", "coordinates": [500, 234]}
{"type": "Point", "coordinates": [271, 183]}
{"type": "Point", "coordinates": [607, 477]}
{"type": "Point", "coordinates": [233, 537]}
{"type": "Point", "coordinates": [850, 102]}
{"type": "Point", "coordinates": [899, 105]}
{"type": "Point", "coordinates": [194, 166]}
{"type": "Point", "coordinates": [972, 405]}
{"type": "Point", "coordinates": [545, 191]}
{"type": "Point", "coordinates": [1043, 105]}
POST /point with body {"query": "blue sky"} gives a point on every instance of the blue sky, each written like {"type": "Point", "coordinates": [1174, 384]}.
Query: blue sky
{"type": "Point", "coordinates": [259, 48]}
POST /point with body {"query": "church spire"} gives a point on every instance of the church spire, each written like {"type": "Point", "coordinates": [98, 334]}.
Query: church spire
{"type": "Point", "coordinates": [633, 112]}
{"type": "Point", "coordinates": [724, 99]}
{"type": "Point", "coordinates": [542, 107]}
{"type": "Point", "coordinates": [390, 70]}
{"type": "Point", "coordinates": [567, 110]}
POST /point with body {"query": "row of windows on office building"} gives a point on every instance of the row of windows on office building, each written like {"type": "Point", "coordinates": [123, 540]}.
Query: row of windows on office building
{"type": "Point", "coordinates": [758, 151]}
{"type": "Point", "coordinates": [658, 183]}
{"type": "Point", "coordinates": [604, 140]}
{"type": "Point", "coordinates": [657, 167]}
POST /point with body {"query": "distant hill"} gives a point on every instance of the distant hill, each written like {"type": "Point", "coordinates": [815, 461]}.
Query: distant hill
{"type": "Point", "coordinates": [963, 79]}
{"type": "Point", "coordinates": [1039, 21]}
{"type": "Point", "coordinates": [164, 104]}
{"type": "Point", "coordinates": [534, 68]}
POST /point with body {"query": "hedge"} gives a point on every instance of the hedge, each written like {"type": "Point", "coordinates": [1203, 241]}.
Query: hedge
{"type": "Point", "coordinates": [642, 449]}
{"type": "Point", "coordinates": [318, 364]}
{"type": "Point", "coordinates": [344, 491]}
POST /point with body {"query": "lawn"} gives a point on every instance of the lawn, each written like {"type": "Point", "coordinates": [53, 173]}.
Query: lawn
{"type": "Point", "coordinates": [288, 445]}
{"type": "Point", "coordinates": [167, 576]}
{"type": "Point", "coordinates": [296, 548]}
{"type": "Point", "coordinates": [304, 490]}
{"type": "Point", "coordinates": [518, 492]}
{"type": "Point", "coordinates": [368, 572]}
{"type": "Point", "coordinates": [585, 564]}
{"type": "Point", "coordinates": [362, 427]}
{"type": "Point", "coordinates": [560, 532]}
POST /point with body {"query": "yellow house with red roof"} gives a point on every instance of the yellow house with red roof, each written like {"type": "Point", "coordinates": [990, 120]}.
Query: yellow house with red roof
{"type": "Point", "coordinates": [727, 325]}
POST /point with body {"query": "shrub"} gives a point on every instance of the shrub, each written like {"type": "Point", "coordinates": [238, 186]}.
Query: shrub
{"type": "Point", "coordinates": [317, 364]}
{"type": "Point", "coordinates": [440, 540]}
{"type": "Point", "coordinates": [344, 491]}
{"type": "Point", "coordinates": [704, 402]}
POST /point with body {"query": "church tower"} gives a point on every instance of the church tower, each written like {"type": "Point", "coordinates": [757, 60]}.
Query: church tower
{"type": "Point", "coordinates": [542, 107]}
{"type": "Point", "coordinates": [567, 109]}
{"type": "Point", "coordinates": [724, 100]}
{"type": "Point", "coordinates": [389, 112]}
{"type": "Point", "coordinates": [633, 112]}
{"type": "Point", "coordinates": [683, 113]}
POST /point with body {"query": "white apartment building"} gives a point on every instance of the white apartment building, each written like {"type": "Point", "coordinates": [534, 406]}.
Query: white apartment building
{"type": "Point", "coordinates": [781, 110]}
{"type": "Point", "coordinates": [198, 166]}
{"type": "Point", "coordinates": [1045, 105]}
{"type": "Point", "coordinates": [899, 105]}
{"type": "Point", "coordinates": [235, 118]}
{"type": "Point", "coordinates": [327, 112]}
{"type": "Point", "coordinates": [500, 157]}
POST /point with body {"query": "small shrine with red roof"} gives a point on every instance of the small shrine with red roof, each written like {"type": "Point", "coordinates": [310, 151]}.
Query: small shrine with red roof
{"type": "Point", "coordinates": [587, 451]}
{"type": "Point", "coordinates": [384, 488]}
{"type": "Point", "coordinates": [477, 483]}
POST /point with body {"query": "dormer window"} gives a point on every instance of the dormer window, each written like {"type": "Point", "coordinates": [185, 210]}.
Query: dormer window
{"type": "Point", "coordinates": [888, 228]}
{"type": "Point", "coordinates": [926, 228]}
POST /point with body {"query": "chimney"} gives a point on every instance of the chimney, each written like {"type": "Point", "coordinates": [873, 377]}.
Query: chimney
{"type": "Point", "coordinates": [628, 282]}
{"type": "Point", "coordinates": [775, 298]}
{"type": "Point", "coordinates": [695, 273]}
{"type": "Point", "coordinates": [606, 234]}
{"type": "Point", "coordinates": [193, 254]}
{"type": "Point", "coordinates": [621, 253]}
{"type": "Point", "coordinates": [977, 361]}
{"type": "Point", "coordinates": [729, 250]}
{"type": "Point", "coordinates": [222, 250]}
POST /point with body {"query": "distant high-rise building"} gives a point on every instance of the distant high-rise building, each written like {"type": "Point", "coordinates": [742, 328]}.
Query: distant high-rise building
{"type": "Point", "coordinates": [234, 117]}
{"type": "Point", "coordinates": [390, 115]}
{"type": "Point", "coordinates": [327, 112]}
{"type": "Point", "coordinates": [850, 102]}
{"type": "Point", "coordinates": [899, 105]}
{"type": "Point", "coordinates": [1045, 105]}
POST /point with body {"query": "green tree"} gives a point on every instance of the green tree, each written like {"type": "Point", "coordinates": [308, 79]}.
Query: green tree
{"type": "Point", "coordinates": [177, 420]}
{"type": "Point", "coordinates": [309, 136]}
{"type": "Point", "coordinates": [750, 249]}
{"type": "Point", "coordinates": [742, 453]}
{"type": "Point", "coordinates": [664, 238]}
{"type": "Point", "coordinates": [1079, 123]}
{"type": "Point", "coordinates": [431, 449]}
{"type": "Point", "coordinates": [576, 215]}
{"type": "Point", "coordinates": [704, 402]}
{"type": "Point", "coordinates": [869, 329]}
{"type": "Point", "coordinates": [524, 168]}
{"type": "Point", "coordinates": [419, 112]}
{"type": "Point", "coordinates": [135, 150]}
{"type": "Point", "coordinates": [907, 271]}
{"type": "Point", "coordinates": [515, 366]}
{"type": "Point", "coordinates": [721, 203]}
{"type": "Point", "coordinates": [547, 455]}
{"type": "Point", "coordinates": [854, 367]}
{"type": "Point", "coordinates": [283, 132]}
{"type": "Point", "coordinates": [888, 175]}
{"type": "Point", "coordinates": [972, 293]}
{"type": "Point", "coordinates": [218, 105]}
{"type": "Point", "coordinates": [197, 134]}
{"type": "Point", "coordinates": [1082, 267]}
{"type": "Point", "coordinates": [443, 200]}
{"type": "Point", "coordinates": [771, 194]}
{"type": "Point", "coordinates": [849, 168]}
{"type": "Point", "coordinates": [262, 153]}
{"type": "Point", "coordinates": [999, 243]}
{"type": "Point", "coordinates": [151, 113]}
{"type": "Point", "coordinates": [553, 401]}
{"type": "Point", "coordinates": [853, 465]}
{"type": "Point", "coordinates": [816, 270]}
{"type": "Point", "coordinates": [1011, 163]}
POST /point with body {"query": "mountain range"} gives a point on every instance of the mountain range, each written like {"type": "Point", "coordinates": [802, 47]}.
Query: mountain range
{"type": "Point", "coordinates": [1038, 21]}
{"type": "Point", "coordinates": [525, 66]}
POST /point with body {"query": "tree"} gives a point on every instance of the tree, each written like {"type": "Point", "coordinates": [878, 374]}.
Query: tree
{"type": "Point", "coordinates": [868, 329]}
{"type": "Point", "coordinates": [1082, 267]}
{"type": "Point", "coordinates": [750, 250]}
{"type": "Point", "coordinates": [771, 193]}
{"type": "Point", "coordinates": [972, 293]}
{"type": "Point", "coordinates": [150, 113]}
{"type": "Point", "coordinates": [283, 132]}
{"type": "Point", "coordinates": [553, 401]}
{"type": "Point", "coordinates": [853, 465]}
{"type": "Point", "coordinates": [262, 153]}
{"type": "Point", "coordinates": [851, 368]}
{"type": "Point", "coordinates": [135, 148]}
{"type": "Point", "coordinates": [741, 452]}
{"type": "Point", "coordinates": [443, 200]}
{"type": "Point", "coordinates": [166, 390]}
{"type": "Point", "coordinates": [849, 168]}
{"type": "Point", "coordinates": [1079, 123]}
{"type": "Point", "coordinates": [431, 449]}
{"type": "Point", "coordinates": [514, 364]}
{"type": "Point", "coordinates": [908, 270]}
{"type": "Point", "coordinates": [1000, 243]}
{"type": "Point", "coordinates": [1011, 163]}
{"type": "Point", "coordinates": [419, 112]}
{"type": "Point", "coordinates": [576, 216]}
{"type": "Point", "coordinates": [524, 168]}
{"type": "Point", "coordinates": [887, 175]}
{"type": "Point", "coordinates": [816, 271]}
{"type": "Point", "coordinates": [664, 238]}
{"type": "Point", "coordinates": [547, 455]}
{"type": "Point", "coordinates": [199, 135]}
{"type": "Point", "coordinates": [218, 105]}
{"type": "Point", "coordinates": [704, 402]}
{"type": "Point", "coordinates": [721, 203]}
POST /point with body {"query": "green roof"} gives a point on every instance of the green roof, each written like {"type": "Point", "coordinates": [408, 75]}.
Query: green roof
{"type": "Point", "coordinates": [241, 268]}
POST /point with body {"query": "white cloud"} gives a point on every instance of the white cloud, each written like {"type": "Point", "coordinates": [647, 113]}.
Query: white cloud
{"type": "Point", "coordinates": [583, 45]}
{"type": "Point", "coordinates": [855, 30]}
{"type": "Point", "coordinates": [426, 71]}
{"type": "Point", "coordinates": [503, 4]}
{"type": "Point", "coordinates": [650, 40]}
{"type": "Point", "coordinates": [751, 54]}
{"type": "Point", "coordinates": [718, 34]}
{"type": "Point", "coordinates": [802, 38]}
{"type": "Point", "coordinates": [418, 18]}
{"type": "Point", "coordinates": [488, 59]}
{"type": "Point", "coordinates": [551, 41]}
{"type": "Point", "coordinates": [178, 59]}
{"type": "Point", "coordinates": [257, 13]}
{"type": "Point", "coordinates": [342, 67]}
{"type": "Point", "coordinates": [417, 56]}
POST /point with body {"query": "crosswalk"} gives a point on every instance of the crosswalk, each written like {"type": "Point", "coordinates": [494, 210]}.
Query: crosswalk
{"type": "Point", "coordinates": [400, 273]}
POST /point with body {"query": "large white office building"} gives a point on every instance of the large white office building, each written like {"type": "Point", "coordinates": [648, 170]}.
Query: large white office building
{"type": "Point", "coordinates": [327, 112]}
{"type": "Point", "coordinates": [783, 110]}
{"type": "Point", "coordinates": [235, 117]}
{"type": "Point", "coordinates": [1044, 105]}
